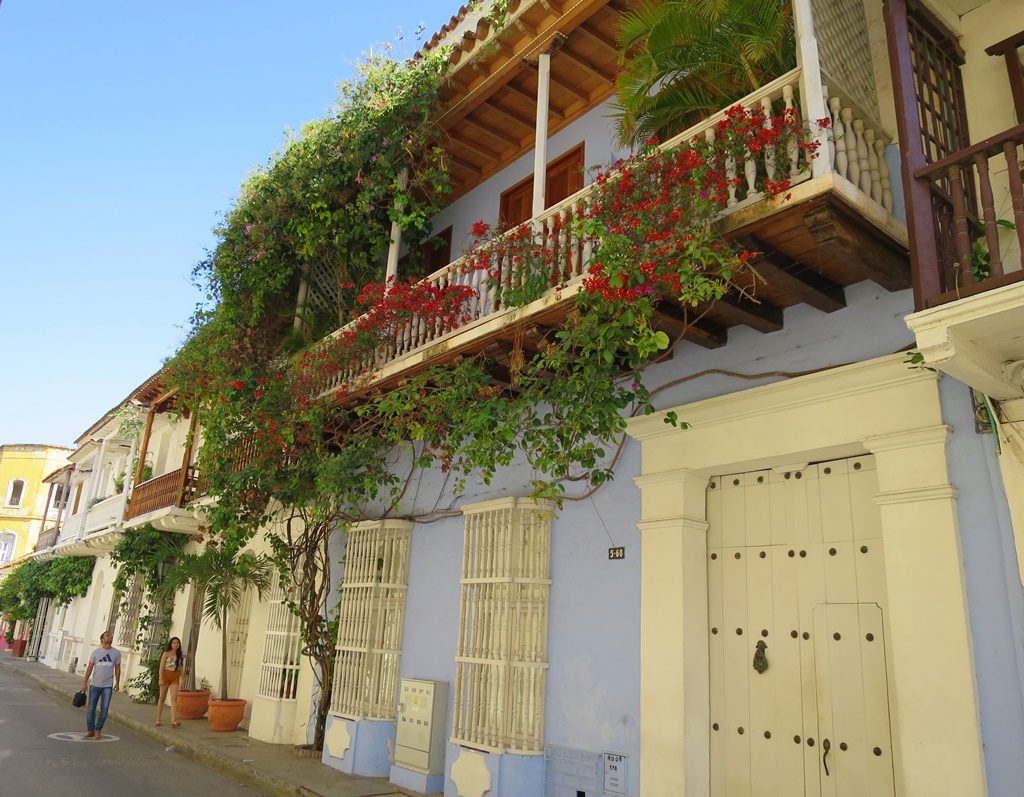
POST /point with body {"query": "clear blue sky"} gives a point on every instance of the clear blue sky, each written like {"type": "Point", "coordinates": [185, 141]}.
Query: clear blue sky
{"type": "Point", "coordinates": [125, 130]}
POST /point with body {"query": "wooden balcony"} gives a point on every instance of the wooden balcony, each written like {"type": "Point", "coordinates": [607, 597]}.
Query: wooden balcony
{"type": "Point", "coordinates": [162, 501]}
{"type": "Point", "coordinates": [976, 251]}
{"type": "Point", "coordinates": [836, 227]}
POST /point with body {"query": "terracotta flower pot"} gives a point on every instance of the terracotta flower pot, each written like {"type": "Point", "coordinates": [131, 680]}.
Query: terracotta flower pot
{"type": "Point", "coordinates": [192, 705]}
{"type": "Point", "coordinates": [224, 715]}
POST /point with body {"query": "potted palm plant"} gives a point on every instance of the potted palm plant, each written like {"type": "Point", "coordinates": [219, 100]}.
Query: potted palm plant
{"type": "Point", "coordinates": [231, 576]}
{"type": "Point", "coordinates": [219, 578]}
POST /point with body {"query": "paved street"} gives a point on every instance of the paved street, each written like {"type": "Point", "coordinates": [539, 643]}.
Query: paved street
{"type": "Point", "coordinates": [42, 752]}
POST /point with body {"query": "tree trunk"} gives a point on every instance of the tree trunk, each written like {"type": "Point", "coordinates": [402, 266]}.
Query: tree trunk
{"type": "Point", "coordinates": [195, 623]}
{"type": "Point", "coordinates": [325, 663]}
{"type": "Point", "coordinates": [224, 655]}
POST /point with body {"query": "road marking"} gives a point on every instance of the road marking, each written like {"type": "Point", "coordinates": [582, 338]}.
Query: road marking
{"type": "Point", "coordinates": [79, 736]}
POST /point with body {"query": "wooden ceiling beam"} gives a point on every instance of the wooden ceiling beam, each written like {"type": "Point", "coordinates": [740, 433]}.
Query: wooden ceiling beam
{"type": "Point", "coordinates": [512, 115]}
{"type": "Point", "coordinates": [462, 141]}
{"type": "Point", "coordinates": [581, 63]}
{"type": "Point", "coordinates": [501, 135]}
{"type": "Point", "coordinates": [741, 310]}
{"type": "Point", "coordinates": [672, 321]}
{"type": "Point", "coordinates": [532, 99]}
{"type": "Point", "coordinates": [582, 96]}
{"type": "Point", "coordinates": [786, 275]}
{"type": "Point", "coordinates": [602, 41]}
{"type": "Point", "coordinates": [464, 164]}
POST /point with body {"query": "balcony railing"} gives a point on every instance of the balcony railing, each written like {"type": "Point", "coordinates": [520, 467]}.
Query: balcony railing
{"type": "Point", "coordinates": [853, 149]}
{"type": "Point", "coordinates": [173, 489]}
{"type": "Point", "coordinates": [104, 514]}
{"type": "Point", "coordinates": [970, 241]}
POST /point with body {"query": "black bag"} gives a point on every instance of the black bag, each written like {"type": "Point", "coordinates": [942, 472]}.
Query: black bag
{"type": "Point", "coordinates": [78, 700]}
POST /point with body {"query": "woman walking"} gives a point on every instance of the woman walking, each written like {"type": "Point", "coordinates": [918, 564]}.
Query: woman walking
{"type": "Point", "coordinates": [170, 673]}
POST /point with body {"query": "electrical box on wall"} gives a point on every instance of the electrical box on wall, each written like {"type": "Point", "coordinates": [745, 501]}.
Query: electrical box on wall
{"type": "Point", "coordinates": [420, 741]}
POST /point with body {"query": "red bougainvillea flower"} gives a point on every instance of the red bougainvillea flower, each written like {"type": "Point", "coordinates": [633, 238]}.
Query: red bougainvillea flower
{"type": "Point", "coordinates": [480, 229]}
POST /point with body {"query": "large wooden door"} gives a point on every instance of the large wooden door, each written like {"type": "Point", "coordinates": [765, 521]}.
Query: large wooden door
{"type": "Point", "coordinates": [795, 557]}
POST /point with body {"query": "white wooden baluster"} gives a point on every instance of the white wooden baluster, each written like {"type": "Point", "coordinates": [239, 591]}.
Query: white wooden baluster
{"type": "Point", "coordinates": [750, 168]}
{"type": "Point", "coordinates": [839, 138]}
{"type": "Point", "coordinates": [829, 137]}
{"type": "Point", "coordinates": [876, 182]}
{"type": "Point", "coordinates": [862, 157]}
{"type": "Point", "coordinates": [853, 170]}
{"type": "Point", "coordinates": [769, 155]}
{"type": "Point", "coordinates": [730, 176]}
{"type": "Point", "coordinates": [792, 148]}
{"type": "Point", "coordinates": [883, 174]}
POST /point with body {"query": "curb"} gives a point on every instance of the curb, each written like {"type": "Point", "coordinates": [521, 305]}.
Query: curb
{"type": "Point", "coordinates": [270, 785]}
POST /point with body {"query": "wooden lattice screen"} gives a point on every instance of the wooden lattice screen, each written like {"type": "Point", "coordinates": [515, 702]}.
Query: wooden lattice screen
{"type": "Point", "coordinates": [501, 662]}
{"type": "Point", "coordinates": [938, 85]}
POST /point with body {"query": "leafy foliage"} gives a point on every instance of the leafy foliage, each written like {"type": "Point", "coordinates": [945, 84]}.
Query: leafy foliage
{"type": "Point", "coordinates": [61, 579]}
{"type": "Point", "coordinates": [690, 58]}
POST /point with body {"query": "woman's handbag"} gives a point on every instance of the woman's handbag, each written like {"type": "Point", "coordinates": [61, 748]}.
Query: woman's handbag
{"type": "Point", "coordinates": [78, 700]}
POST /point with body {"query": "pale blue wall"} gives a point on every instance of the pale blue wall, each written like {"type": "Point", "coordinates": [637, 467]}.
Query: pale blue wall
{"type": "Point", "coordinates": [994, 592]}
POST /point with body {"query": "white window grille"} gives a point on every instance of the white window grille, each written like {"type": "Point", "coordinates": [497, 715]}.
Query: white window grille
{"type": "Point", "coordinates": [279, 671]}
{"type": "Point", "coordinates": [502, 658]}
{"type": "Point", "coordinates": [130, 610]}
{"type": "Point", "coordinates": [371, 619]}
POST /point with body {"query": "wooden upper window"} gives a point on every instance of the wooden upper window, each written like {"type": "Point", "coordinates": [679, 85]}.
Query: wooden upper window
{"type": "Point", "coordinates": [564, 178]}
{"type": "Point", "coordinates": [433, 254]}
{"type": "Point", "coordinates": [937, 59]}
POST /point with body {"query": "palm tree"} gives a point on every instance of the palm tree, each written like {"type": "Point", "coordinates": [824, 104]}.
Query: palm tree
{"type": "Point", "coordinates": [232, 576]}
{"type": "Point", "coordinates": [219, 578]}
{"type": "Point", "coordinates": [687, 59]}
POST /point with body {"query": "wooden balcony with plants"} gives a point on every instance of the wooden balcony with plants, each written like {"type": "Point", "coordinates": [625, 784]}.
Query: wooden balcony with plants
{"type": "Point", "coordinates": [175, 488]}
{"type": "Point", "coordinates": [813, 210]}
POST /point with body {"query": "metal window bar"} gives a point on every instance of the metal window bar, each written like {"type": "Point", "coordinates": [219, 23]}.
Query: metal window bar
{"type": "Point", "coordinates": [371, 620]}
{"type": "Point", "coordinates": [501, 659]}
{"type": "Point", "coordinates": [279, 670]}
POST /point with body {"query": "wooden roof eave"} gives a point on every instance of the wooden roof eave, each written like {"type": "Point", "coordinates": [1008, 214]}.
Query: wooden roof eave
{"type": "Point", "coordinates": [500, 68]}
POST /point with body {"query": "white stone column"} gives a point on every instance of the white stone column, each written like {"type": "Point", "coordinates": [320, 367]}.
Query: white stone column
{"type": "Point", "coordinates": [540, 149]}
{"type": "Point", "coordinates": [674, 668]}
{"type": "Point", "coordinates": [812, 98]}
{"type": "Point", "coordinates": [94, 484]}
{"type": "Point", "coordinates": [936, 726]}
{"type": "Point", "coordinates": [396, 230]}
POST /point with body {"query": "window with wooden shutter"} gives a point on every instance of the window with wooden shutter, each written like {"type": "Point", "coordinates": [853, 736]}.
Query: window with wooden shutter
{"type": "Point", "coordinates": [564, 178]}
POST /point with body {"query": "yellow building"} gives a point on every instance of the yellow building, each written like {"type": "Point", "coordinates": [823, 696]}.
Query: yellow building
{"type": "Point", "coordinates": [25, 501]}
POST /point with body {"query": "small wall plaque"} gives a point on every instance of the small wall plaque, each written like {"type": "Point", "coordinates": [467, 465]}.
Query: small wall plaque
{"type": "Point", "coordinates": [614, 773]}
{"type": "Point", "coordinates": [617, 553]}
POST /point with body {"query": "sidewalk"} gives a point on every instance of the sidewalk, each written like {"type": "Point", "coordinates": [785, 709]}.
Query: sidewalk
{"type": "Point", "coordinates": [271, 769]}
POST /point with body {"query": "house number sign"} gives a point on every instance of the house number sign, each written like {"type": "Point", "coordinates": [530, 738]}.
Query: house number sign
{"type": "Point", "coordinates": [617, 553]}
{"type": "Point", "coordinates": [614, 773]}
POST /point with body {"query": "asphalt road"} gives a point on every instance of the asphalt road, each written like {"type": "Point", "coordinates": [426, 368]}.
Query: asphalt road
{"type": "Point", "coordinates": [43, 752]}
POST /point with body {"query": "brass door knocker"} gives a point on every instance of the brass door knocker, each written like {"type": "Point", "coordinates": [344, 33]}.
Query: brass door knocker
{"type": "Point", "coordinates": [760, 659]}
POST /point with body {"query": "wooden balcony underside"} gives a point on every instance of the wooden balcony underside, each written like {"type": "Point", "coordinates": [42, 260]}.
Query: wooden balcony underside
{"type": "Point", "coordinates": [810, 249]}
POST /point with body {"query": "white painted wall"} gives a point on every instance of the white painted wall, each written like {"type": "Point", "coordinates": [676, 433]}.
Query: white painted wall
{"type": "Point", "coordinates": [595, 129]}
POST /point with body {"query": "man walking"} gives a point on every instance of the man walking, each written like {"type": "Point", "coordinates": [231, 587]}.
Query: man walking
{"type": "Point", "coordinates": [105, 669]}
